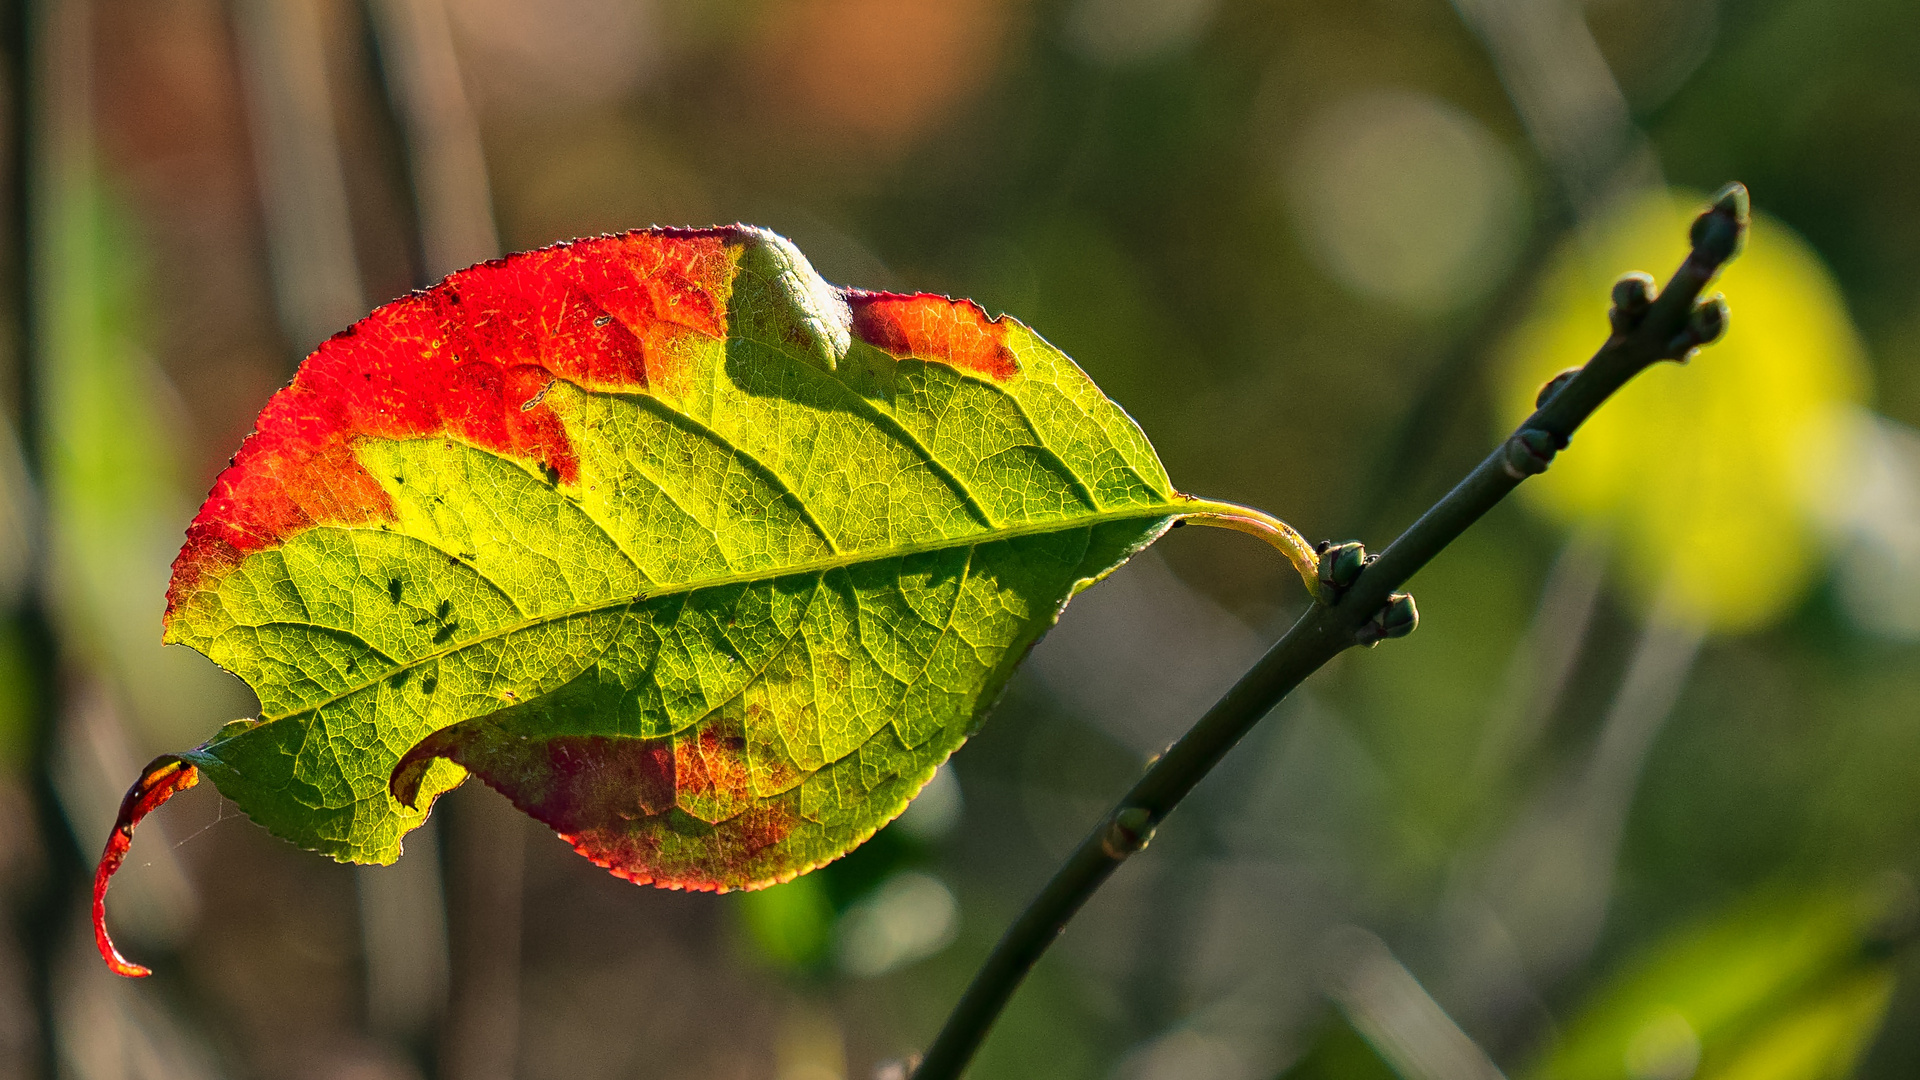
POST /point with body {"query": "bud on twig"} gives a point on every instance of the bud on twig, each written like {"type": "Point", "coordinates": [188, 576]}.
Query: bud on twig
{"type": "Point", "coordinates": [1704, 327]}
{"type": "Point", "coordinates": [1397, 619]}
{"type": "Point", "coordinates": [1127, 832]}
{"type": "Point", "coordinates": [1720, 232]}
{"type": "Point", "coordinates": [1528, 453]}
{"type": "Point", "coordinates": [1632, 297]}
{"type": "Point", "coordinates": [1552, 386]}
{"type": "Point", "coordinates": [1340, 564]}
{"type": "Point", "coordinates": [1709, 320]}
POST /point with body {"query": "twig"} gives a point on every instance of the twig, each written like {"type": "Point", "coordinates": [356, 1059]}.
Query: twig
{"type": "Point", "coordinates": [1646, 330]}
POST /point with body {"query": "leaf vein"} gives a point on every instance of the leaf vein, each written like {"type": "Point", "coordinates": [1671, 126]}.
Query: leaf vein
{"type": "Point", "coordinates": [959, 594]}
{"type": "Point", "coordinates": [799, 569]}
{"type": "Point", "coordinates": [766, 472]}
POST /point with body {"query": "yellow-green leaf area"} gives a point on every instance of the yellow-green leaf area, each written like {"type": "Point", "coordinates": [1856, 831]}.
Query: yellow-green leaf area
{"type": "Point", "coordinates": [1708, 478]}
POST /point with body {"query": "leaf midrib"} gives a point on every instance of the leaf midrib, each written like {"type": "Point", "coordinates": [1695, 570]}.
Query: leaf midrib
{"type": "Point", "coordinates": [819, 565]}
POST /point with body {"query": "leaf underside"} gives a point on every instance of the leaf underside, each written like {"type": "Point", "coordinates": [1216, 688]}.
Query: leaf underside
{"type": "Point", "coordinates": [699, 560]}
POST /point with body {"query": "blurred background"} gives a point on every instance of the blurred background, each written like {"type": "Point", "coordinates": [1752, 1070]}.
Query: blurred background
{"type": "Point", "coordinates": [1640, 800]}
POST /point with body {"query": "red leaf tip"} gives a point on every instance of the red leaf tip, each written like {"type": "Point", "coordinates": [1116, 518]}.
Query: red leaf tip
{"type": "Point", "coordinates": [163, 779]}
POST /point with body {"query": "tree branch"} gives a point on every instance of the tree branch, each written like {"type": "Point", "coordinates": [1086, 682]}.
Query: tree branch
{"type": "Point", "coordinates": [1366, 608]}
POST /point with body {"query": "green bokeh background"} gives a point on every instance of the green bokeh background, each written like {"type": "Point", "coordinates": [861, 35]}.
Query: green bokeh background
{"type": "Point", "coordinates": [1640, 799]}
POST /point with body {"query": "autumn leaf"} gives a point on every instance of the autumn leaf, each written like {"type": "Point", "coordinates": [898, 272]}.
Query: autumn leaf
{"type": "Point", "coordinates": [699, 560]}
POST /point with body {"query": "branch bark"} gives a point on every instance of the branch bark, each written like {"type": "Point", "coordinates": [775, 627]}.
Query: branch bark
{"type": "Point", "coordinates": [1646, 329]}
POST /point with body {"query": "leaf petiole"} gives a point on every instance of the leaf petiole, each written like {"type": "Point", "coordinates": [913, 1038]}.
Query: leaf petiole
{"type": "Point", "coordinates": [1284, 537]}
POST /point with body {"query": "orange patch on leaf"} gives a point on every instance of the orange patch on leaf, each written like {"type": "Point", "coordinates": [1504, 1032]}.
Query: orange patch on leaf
{"type": "Point", "coordinates": [164, 778]}
{"type": "Point", "coordinates": [926, 326]}
{"type": "Point", "coordinates": [713, 766]}
{"type": "Point", "coordinates": [469, 358]}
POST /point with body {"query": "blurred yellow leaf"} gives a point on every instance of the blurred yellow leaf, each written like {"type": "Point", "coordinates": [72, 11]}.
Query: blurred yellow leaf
{"type": "Point", "coordinates": [1789, 985]}
{"type": "Point", "coordinates": [1707, 477]}
{"type": "Point", "coordinates": [1821, 1041]}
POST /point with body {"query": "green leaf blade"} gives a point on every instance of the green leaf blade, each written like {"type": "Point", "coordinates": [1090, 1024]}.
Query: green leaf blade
{"type": "Point", "coordinates": [703, 562]}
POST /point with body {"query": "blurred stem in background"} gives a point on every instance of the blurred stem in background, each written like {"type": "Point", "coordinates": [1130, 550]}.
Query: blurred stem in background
{"type": "Point", "coordinates": [1576, 119]}
{"type": "Point", "coordinates": [1566, 97]}
{"type": "Point", "coordinates": [485, 860]}
{"type": "Point", "coordinates": [1393, 1012]}
{"type": "Point", "coordinates": [45, 908]}
{"type": "Point", "coordinates": [445, 159]}
{"type": "Point", "coordinates": [303, 187]}
{"type": "Point", "coordinates": [101, 506]}
{"type": "Point", "coordinates": [319, 291]}
{"type": "Point", "coordinates": [1544, 659]}
{"type": "Point", "coordinates": [1530, 912]}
